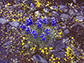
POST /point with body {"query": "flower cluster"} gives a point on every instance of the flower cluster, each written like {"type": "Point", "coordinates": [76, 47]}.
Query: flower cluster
{"type": "Point", "coordinates": [44, 20]}
{"type": "Point", "coordinates": [39, 23]}
{"type": "Point", "coordinates": [42, 36]}
{"type": "Point", "coordinates": [28, 21]}
{"type": "Point", "coordinates": [46, 31]}
{"type": "Point", "coordinates": [23, 27]}
{"type": "Point", "coordinates": [28, 30]}
{"type": "Point", "coordinates": [53, 21]}
{"type": "Point", "coordinates": [34, 34]}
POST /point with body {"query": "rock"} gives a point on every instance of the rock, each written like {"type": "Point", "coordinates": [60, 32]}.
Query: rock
{"type": "Point", "coordinates": [66, 31]}
{"type": "Point", "coordinates": [3, 61]}
{"type": "Point", "coordinates": [82, 5]}
{"type": "Point", "coordinates": [71, 12]}
{"type": "Point", "coordinates": [11, 8]}
{"type": "Point", "coordinates": [14, 24]}
{"type": "Point", "coordinates": [46, 10]}
{"type": "Point", "coordinates": [28, 2]}
{"type": "Point", "coordinates": [64, 17]}
{"type": "Point", "coordinates": [3, 21]}
{"type": "Point", "coordinates": [39, 59]}
{"type": "Point", "coordinates": [54, 14]}
{"type": "Point", "coordinates": [62, 6]}
{"type": "Point", "coordinates": [37, 13]}
{"type": "Point", "coordinates": [2, 50]}
{"type": "Point", "coordinates": [65, 10]}
{"type": "Point", "coordinates": [53, 7]}
{"type": "Point", "coordinates": [58, 48]}
{"type": "Point", "coordinates": [74, 1]}
{"type": "Point", "coordinates": [59, 54]}
{"type": "Point", "coordinates": [20, 11]}
{"type": "Point", "coordinates": [80, 18]}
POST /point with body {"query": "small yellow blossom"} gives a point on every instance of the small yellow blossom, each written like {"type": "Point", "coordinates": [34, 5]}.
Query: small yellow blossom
{"type": "Point", "coordinates": [58, 58]}
{"type": "Point", "coordinates": [58, 62]}
{"type": "Point", "coordinates": [45, 47]}
{"type": "Point", "coordinates": [29, 42]}
{"type": "Point", "coordinates": [8, 3]}
{"type": "Point", "coordinates": [42, 50]}
{"type": "Point", "coordinates": [55, 33]}
{"type": "Point", "coordinates": [46, 52]}
{"type": "Point", "coordinates": [50, 47]}
{"type": "Point", "coordinates": [22, 43]}
{"type": "Point", "coordinates": [65, 59]}
{"type": "Point", "coordinates": [28, 59]}
{"type": "Point", "coordinates": [49, 59]}
{"type": "Point", "coordinates": [23, 37]}
{"type": "Point", "coordinates": [53, 58]}
{"type": "Point", "coordinates": [5, 5]}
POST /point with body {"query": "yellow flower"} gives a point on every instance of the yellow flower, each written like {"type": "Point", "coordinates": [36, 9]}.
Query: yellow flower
{"type": "Point", "coordinates": [46, 52]}
{"type": "Point", "coordinates": [55, 33]}
{"type": "Point", "coordinates": [5, 5]}
{"type": "Point", "coordinates": [58, 62]}
{"type": "Point", "coordinates": [53, 58]}
{"type": "Point", "coordinates": [65, 59]}
{"type": "Point", "coordinates": [45, 47]}
{"type": "Point", "coordinates": [29, 42]}
{"type": "Point", "coordinates": [49, 59]}
{"type": "Point", "coordinates": [34, 49]}
{"type": "Point", "coordinates": [50, 47]}
{"type": "Point", "coordinates": [22, 43]}
{"type": "Point", "coordinates": [42, 50]}
{"type": "Point", "coordinates": [23, 37]}
{"type": "Point", "coordinates": [28, 59]}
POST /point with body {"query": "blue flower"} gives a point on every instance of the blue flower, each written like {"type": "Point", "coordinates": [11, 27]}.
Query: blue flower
{"type": "Point", "coordinates": [28, 21]}
{"type": "Point", "coordinates": [53, 22]}
{"type": "Point", "coordinates": [28, 30]}
{"type": "Point", "coordinates": [33, 31]}
{"type": "Point", "coordinates": [42, 37]}
{"type": "Point", "coordinates": [44, 20]}
{"type": "Point", "coordinates": [37, 22]}
{"type": "Point", "coordinates": [23, 27]}
{"type": "Point", "coordinates": [34, 34]}
{"type": "Point", "coordinates": [39, 25]}
{"type": "Point", "coordinates": [40, 20]}
{"type": "Point", "coordinates": [46, 30]}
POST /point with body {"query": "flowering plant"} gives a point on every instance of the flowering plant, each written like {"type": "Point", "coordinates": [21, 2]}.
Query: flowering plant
{"type": "Point", "coordinates": [38, 33]}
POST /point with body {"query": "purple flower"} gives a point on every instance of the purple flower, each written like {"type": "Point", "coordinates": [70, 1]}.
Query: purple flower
{"type": "Point", "coordinates": [44, 20]}
{"type": "Point", "coordinates": [23, 27]}
{"type": "Point", "coordinates": [39, 25]}
{"type": "Point", "coordinates": [46, 30]}
{"type": "Point", "coordinates": [42, 37]}
{"type": "Point", "coordinates": [40, 20]}
{"type": "Point", "coordinates": [53, 21]}
{"type": "Point", "coordinates": [28, 30]}
{"type": "Point", "coordinates": [37, 22]}
{"type": "Point", "coordinates": [33, 31]}
{"type": "Point", "coordinates": [34, 34]}
{"type": "Point", "coordinates": [28, 21]}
